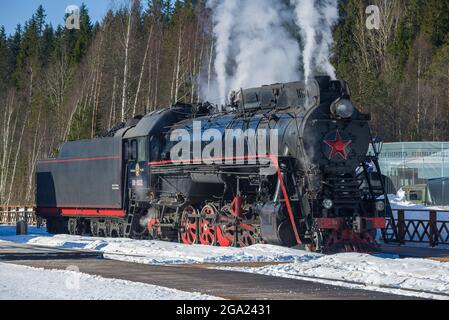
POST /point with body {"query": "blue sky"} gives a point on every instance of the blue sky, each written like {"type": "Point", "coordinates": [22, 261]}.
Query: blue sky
{"type": "Point", "coordinates": [13, 12]}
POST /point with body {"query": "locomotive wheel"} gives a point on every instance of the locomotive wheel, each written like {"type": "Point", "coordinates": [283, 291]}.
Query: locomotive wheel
{"type": "Point", "coordinates": [207, 230]}
{"type": "Point", "coordinates": [248, 236]}
{"type": "Point", "coordinates": [94, 228]}
{"type": "Point", "coordinates": [73, 227]}
{"type": "Point", "coordinates": [189, 227]}
{"type": "Point", "coordinates": [226, 235]}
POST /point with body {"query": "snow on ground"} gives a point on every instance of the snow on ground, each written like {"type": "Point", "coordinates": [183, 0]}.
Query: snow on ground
{"type": "Point", "coordinates": [414, 211]}
{"type": "Point", "coordinates": [25, 283]}
{"type": "Point", "coordinates": [399, 202]}
{"type": "Point", "coordinates": [157, 252]}
{"type": "Point", "coordinates": [379, 270]}
{"type": "Point", "coordinates": [373, 272]}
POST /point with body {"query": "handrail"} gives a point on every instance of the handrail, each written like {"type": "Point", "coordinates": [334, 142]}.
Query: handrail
{"type": "Point", "coordinates": [422, 210]}
{"type": "Point", "coordinates": [10, 215]}
{"type": "Point", "coordinates": [431, 231]}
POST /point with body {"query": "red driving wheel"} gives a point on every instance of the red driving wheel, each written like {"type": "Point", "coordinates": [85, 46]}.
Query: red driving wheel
{"type": "Point", "coordinates": [188, 226]}
{"type": "Point", "coordinates": [247, 236]}
{"type": "Point", "coordinates": [207, 230]}
{"type": "Point", "coordinates": [225, 236]}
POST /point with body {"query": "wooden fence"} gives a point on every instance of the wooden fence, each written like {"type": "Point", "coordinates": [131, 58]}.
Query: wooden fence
{"type": "Point", "coordinates": [429, 229]}
{"type": "Point", "coordinates": [11, 214]}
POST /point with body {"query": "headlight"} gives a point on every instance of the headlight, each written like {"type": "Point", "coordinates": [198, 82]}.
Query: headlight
{"type": "Point", "coordinates": [328, 204]}
{"type": "Point", "coordinates": [343, 108]}
{"type": "Point", "coordinates": [380, 206]}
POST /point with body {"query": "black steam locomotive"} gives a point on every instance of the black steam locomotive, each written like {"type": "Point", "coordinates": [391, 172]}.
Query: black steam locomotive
{"type": "Point", "coordinates": [283, 164]}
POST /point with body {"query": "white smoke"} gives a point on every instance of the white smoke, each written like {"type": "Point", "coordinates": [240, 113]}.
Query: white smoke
{"type": "Point", "coordinates": [253, 45]}
{"type": "Point", "coordinates": [224, 13]}
{"type": "Point", "coordinates": [315, 19]}
{"type": "Point", "coordinates": [265, 52]}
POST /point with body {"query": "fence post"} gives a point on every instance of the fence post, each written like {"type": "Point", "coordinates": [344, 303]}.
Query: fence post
{"type": "Point", "coordinates": [434, 236]}
{"type": "Point", "coordinates": [401, 226]}
{"type": "Point", "coordinates": [34, 216]}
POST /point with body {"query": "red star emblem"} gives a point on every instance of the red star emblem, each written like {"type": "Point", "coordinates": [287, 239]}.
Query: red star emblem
{"type": "Point", "coordinates": [338, 146]}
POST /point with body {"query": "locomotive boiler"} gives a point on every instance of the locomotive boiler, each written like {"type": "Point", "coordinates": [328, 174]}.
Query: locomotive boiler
{"type": "Point", "coordinates": [285, 164]}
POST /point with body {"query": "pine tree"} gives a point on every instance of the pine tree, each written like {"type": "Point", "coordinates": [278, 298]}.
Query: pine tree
{"type": "Point", "coordinates": [39, 20]}
{"type": "Point", "coordinates": [435, 21]}
{"type": "Point", "coordinates": [14, 43]}
{"type": "Point", "coordinates": [4, 59]}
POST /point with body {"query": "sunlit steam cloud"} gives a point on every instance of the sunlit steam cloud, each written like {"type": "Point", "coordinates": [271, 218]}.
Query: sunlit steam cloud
{"type": "Point", "coordinates": [255, 43]}
{"type": "Point", "coordinates": [224, 13]}
{"type": "Point", "coordinates": [315, 19]}
{"type": "Point", "coordinates": [265, 52]}
{"type": "Point", "coordinates": [253, 46]}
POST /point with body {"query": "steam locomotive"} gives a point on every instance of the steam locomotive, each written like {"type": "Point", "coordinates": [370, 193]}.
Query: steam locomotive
{"type": "Point", "coordinates": [285, 164]}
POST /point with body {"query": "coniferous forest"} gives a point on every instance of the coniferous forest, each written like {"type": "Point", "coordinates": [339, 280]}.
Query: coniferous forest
{"type": "Point", "coordinates": [58, 84]}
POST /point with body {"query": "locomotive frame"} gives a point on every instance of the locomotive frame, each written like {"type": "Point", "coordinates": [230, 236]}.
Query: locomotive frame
{"type": "Point", "coordinates": [324, 194]}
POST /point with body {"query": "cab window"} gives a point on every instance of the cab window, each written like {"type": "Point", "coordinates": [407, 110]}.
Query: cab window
{"type": "Point", "coordinates": [133, 152]}
{"type": "Point", "coordinates": [142, 150]}
{"type": "Point", "coordinates": [126, 150]}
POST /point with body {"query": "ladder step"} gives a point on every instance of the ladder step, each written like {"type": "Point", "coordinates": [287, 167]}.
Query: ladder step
{"type": "Point", "coordinates": [353, 185]}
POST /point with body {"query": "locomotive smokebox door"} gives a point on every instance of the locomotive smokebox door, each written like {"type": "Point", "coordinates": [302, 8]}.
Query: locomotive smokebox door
{"type": "Point", "coordinates": [136, 151]}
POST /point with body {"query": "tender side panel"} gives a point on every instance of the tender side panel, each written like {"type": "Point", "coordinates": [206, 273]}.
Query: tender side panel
{"type": "Point", "coordinates": [87, 174]}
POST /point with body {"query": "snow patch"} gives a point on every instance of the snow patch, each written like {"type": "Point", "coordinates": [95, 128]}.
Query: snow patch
{"type": "Point", "coordinates": [372, 271]}
{"type": "Point", "coordinates": [158, 252]}
{"type": "Point", "coordinates": [376, 273]}
{"type": "Point", "coordinates": [25, 283]}
{"type": "Point", "coordinates": [420, 212]}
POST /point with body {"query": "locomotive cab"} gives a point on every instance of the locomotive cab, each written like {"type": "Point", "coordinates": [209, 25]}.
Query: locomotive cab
{"type": "Point", "coordinates": [137, 171]}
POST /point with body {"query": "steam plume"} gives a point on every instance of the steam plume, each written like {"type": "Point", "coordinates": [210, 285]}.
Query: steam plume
{"type": "Point", "coordinates": [265, 52]}
{"type": "Point", "coordinates": [224, 13]}
{"type": "Point", "coordinates": [255, 46]}
{"type": "Point", "coordinates": [315, 19]}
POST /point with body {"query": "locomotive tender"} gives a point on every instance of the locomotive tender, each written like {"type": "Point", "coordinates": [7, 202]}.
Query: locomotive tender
{"type": "Point", "coordinates": [313, 185]}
